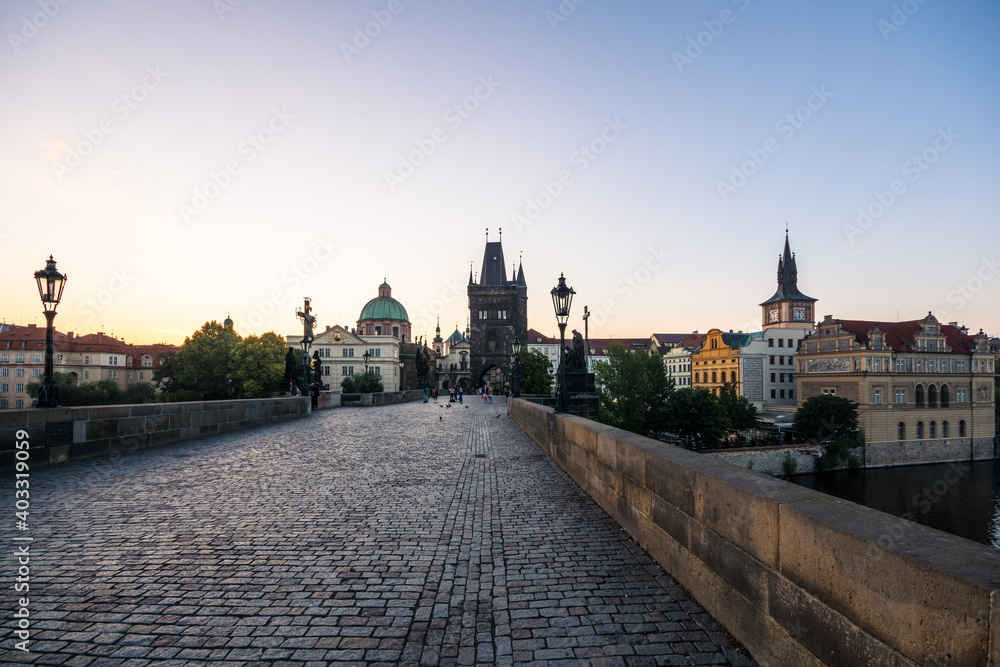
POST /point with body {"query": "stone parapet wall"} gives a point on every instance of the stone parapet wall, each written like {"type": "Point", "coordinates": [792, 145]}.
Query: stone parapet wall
{"type": "Point", "coordinates": [57, 435]}
{"type": "Point", "coordinates": [915, 452]}
{"type": "Point", "coordinates": [381, 398]}
{"type": "Point", "coordinates": [771, 460]}
{"type": "Point", "coordinates": [800, 578]}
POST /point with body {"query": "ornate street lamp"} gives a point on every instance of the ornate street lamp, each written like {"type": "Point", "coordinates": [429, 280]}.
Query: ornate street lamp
{"type": "Point", "coordinates": [367, 355]}
{"type": "Point", "coordinates": [516, 346]}
{"type": "Point", "coordinates": [562, 300]}
{"type": "Point", "coordinates": [50, 289]}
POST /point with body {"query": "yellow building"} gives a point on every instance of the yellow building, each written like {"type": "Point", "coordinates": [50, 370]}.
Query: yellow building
{"type": "Point", "coordinates": [720, 360]}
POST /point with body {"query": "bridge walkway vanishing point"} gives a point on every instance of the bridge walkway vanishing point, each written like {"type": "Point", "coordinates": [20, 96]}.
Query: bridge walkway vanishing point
{"type": "Point", "coordinates": [410, 534]}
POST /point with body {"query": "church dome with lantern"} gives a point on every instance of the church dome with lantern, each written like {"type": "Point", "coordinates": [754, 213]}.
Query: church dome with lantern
{"type": "Point", "coordinates": [384, 316]}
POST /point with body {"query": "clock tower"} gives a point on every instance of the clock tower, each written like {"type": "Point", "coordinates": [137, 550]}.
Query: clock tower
{"type": "Point", "coordinates": [788, 307]}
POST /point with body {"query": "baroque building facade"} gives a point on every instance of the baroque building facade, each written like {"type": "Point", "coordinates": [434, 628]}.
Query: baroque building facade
{"type": "Point", "coordinates": [498, 310]}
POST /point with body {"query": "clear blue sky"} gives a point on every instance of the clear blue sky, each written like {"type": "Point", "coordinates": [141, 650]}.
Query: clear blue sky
{"type": "Point", "coordinates": [242, 155]}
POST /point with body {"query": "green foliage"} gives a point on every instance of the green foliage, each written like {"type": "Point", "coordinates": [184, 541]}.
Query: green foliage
{"type": "Point", "coordinates": [698, 415]}
{"type": "Point", "coordinates": [535, 371]}
{"type": "Point", "coordinates": [102, 392]}
{"type": "Point", "coordinates": [165, 373]}
{"type": "Point", "coordinates": [742, 414]}
{"type": "Point", "coordinates": [258, 364]}
{"type": "Point", "coordinates": [790, 465]}
{"type": "Point", "coordinates": [204, 362]}
{"type": "Point", "coordinates": [365, 383]}
{"type": "Point", "coordinates": [826, 417]}
{"type": "Point", "coordinates": [837, 453]}
{"type": "Point", "coordinates": [634, 391]}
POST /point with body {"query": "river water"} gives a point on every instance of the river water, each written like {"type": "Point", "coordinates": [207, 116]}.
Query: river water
{"type": "Point", "coordinates": [959, 498]}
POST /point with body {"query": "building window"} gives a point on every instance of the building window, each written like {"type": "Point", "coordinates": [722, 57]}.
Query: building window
{"type": "Point", "coordinates": [878, 397]}
{"type": "Point", "coordinates": [723, 376]}
{"type": "Point", "coordinates": [782, 376]}
{"type": "Point", "coordinates": [771, 360]}
{"type": "Point", "coordinates": [147, 362]}
{"type": "Point", "coordinates": [713, 376]}
{"type": "Point", "coordinates": [773, 393]}
{"type": "Point", "coordinates": [932, 430]}
{"type": "Point", "coordinates": [945, 396]}
{"type": "Point", "coordinates": [770, 342]}
{"type": "Point", "coordinates": [4, 358]}
{"type": "Point", "coordinates": [878, 366]}
{"type": "Point", "coordinates": [829, 392]}
{"type": "Point", "coordinates": [19, 403]}
{"type": "Point", "coordinates": [4, 388]}
{"type": "Point", "coordinates": [130, 375]}
{"type": "Point", "coordinates": [20, 357]}
{"type": "Point", "coordinates": [19, 372]}
{"type": "Point", "coordinates": [773, 375]}
{"type": "Point", "coordinates": [86, 358]}
{"type": "Point", "coordinates": [960, 396]}
{"type": "Point", "coordinates": [142, 375]}
{"type": "Point", "coordinates": [901, 431]}
{"type": "Point", "coordinates": [920, 430]}
{"type": "Point", "coordinates": [961, 429]}
{"type": "Point", "coordinates": [733, 376]}
{"type": "Point", "coordinates": [697, 377]}
{"type": "Point", "coordinates": [4, 372]}
{"type": "Point", "coordinates": [944, 429]}
{"type": "Point", "coordinates": [36, 372]}
{"type": "Point", "coordinates": [781, 342]}
{"type": "Point", "coordinates": [782, 393]}
{"type": "Point", "coordinates": [919, 392]}
{"type": "Point", "coordinates": [791, 393]}
{"type": "Point", "coordinates": [378, 370]}
{"type": "Point", "coordinates": [112, 361]}
{"type": "Point", "coordinates": [326, 370]}
{"type": "Point", "coordinates": [3, 402]}
{"type": "Point", "coordinates": [19, 388]}
{"type": "Point", "coordinates": [112, 375]}
{"type": "Point", "coordinates": [86, 375]}
{"type": "Point", "coordinates": [36, 358]}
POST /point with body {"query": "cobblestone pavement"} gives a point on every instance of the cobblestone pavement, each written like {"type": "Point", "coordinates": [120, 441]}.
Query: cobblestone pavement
{"type": "Point", "coordinates": [412, 534]}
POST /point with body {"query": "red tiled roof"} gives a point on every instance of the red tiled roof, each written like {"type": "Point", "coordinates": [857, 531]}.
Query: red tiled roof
{"type": "Point", "coordinates": [535, 337]}
{"type": "Point", "coordinates": [34, 339]}
{"type": "Point", "coordinates": [900, 335]}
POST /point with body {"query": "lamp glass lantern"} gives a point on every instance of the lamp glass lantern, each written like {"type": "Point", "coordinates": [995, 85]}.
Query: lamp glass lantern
{"type": "Point", "coordinates": [562, 300]}
{"type": "Point", "coordinates": [50, 285]}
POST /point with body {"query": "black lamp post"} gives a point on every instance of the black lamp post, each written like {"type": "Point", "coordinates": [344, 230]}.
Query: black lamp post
{"type": "Point", "coordinates": [50, 289]}
{"type": "Point", "coordinates": [516, 346]}
{"type": "Point", "coordinates": [562, 299]}
{"type": "Point", "coordinates": [367, 355]}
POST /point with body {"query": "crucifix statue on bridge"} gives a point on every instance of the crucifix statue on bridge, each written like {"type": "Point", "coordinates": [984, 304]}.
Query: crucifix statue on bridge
{"type": "Point", "coordinates": [308, 322]}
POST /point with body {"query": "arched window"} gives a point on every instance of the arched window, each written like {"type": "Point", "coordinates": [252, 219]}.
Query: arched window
{"type": "Point", "coordinates": [920, 430]}
{"type": "Point", "coordinates": [919, 391]}
{"type": "Point", "coordinates": [696, 378]}
{"type": "Point", "coordinates": [723, 376]}
{"type": "Point", "coordinates": [961, 429]}
{"type": "Point", "coordinates": [932, 431]}
{"type": "Point", "coordinates": [732, 376]}
{"type": "Point", "coordinates": [932, 396]}
{"type": "Point", "coordinates": [944, 429]}
{"type": "Point", "coordinates": [945, 396]}
{"type": "Point", "coordinates": [901, 431]}
{"type": "Point", "coordinates": [713, 377]}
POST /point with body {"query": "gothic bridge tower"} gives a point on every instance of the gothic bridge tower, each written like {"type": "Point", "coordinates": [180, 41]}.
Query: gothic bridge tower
{"type": "Point", "coordinates": [498, 310]}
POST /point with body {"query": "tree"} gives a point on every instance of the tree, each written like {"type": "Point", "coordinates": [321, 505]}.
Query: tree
{"type": "Point", "coordinates": [535, 369]}
{"type": "Point", "coordinates": [204, 361]}
{"type": "Point", "coordinates": [165, 373]}
{"type": "Point", "coordinates": [258, 364]}
{"type": "Point", "coordinates": [364, 383]}
{"type": "Point", "coordinates": [634, 391]}
{"type": "Point", "coordinates": [102, 392]}
{"type": "Point", "coordinates": [741, 412]}
{"type": "Point", "coordinates": [698, 415]}
{"type": "Point", "coordinates": [826, 417]}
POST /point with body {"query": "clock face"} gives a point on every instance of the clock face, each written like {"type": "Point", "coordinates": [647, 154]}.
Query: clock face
{"type": "Point", "coordinates": [799, 314]}
{"type": "Point", "coordinates": [772, 315]}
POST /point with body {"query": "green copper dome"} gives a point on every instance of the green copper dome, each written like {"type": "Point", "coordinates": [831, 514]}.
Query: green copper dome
{"type": "Point", "coordinates": [384, 307]}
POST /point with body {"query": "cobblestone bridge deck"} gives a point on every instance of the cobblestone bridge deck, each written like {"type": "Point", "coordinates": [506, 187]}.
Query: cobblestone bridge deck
{"type": "Point", "coordinates": [410, 534]}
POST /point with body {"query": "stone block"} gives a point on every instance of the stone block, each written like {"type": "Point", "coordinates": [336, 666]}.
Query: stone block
{"type": "Point", "coordinates": [102, 412]}
{"type": "Point", "coordinates": [89, 449]}
{"type": "Point", "coordinates": [46, 415]}
{"type": "Point", "coordinates": [131, 426]}
{"type": "Point", "coordinates": [923, 592]}
{"type": "Point", "coordinates": [157, 422]}
{"type": "Point", "coordinates": [101, 428]}
{"type": "Point", "coordinates": [13, 418]}
{"type": "Point", "coordinates": [180, 420]}
{"type": "Point", "coordinates": [58, 454]}
{"type": "Point", "coordinates": [822, 631]}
